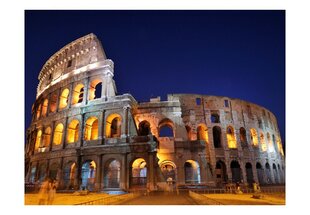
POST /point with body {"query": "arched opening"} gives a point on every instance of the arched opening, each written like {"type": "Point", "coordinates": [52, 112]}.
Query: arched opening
{"type": "Point", "coordinates": [69, 175]}
{"type": "Point", "coordinates": [63, 100]}
{"type": "Point", "coordinates": [202, 133]}
{"type": "Point", "coordinates": [78, 94]}
{"type": "Point", "coordinates": [221, 174]}
{"type": "Point", "coordinates": [243, 139]}
{"type": "Point", "coordinates": [235, 171]}
{"type": "Point", "coordinates": [44, 107]}
{"type": "Point", "coordinates": [53, 171]}
{"type": "Point", "coordinates": [53, 105]}
{"type": "Point", "coordinates": [112, 174]}
{"type": "Point", "coordinates": [217, 137]}
{"type": "Point", "coordinates": [168, 169]}
{"type": "Point", "coordinates": [47, 137]}
{"type": "Point", "coordinates": [73, 131]}
{"type": "Point", "coordinates": [262, 142]}
{"type": "Point", "coordinates": [42, 173]}
{"type": "Point", "coordinates": [268, 173]}
{"type": "Point", "coordinates": [192, 172]}
{"type": "Point", "coordinates": [95, 89]}
{"type": "Point", "coordinates": [249, 173]}
{"type": "Point", "coordinates": [39, 111]}
{"type": "Point", "coordinates": [38, 140]}
{"type": "Point", "coordinates": [113, 126]}
{"type": "Point", "coordinates": [274, 143]}
{"type": "Point", "coordinates": [91, 129]}
{"type": "Point", "coordinates": [276, 174]}
{"type": "Point", "coordinates": [144, 128]}
{"type": "Point", "coordinates": [270, 145]}
{"type": "Point", "coordinates": [166, 128]}
{"type": "Point", "coordinates": [138, 173]}
{"type": "Point", "coordinates": [254, 137]}
{"type": "Point", "coordinates": [58, 134]}
{"type": "Point", "coordinates": [231, 140]}
{"type": "Point", "coordinates": [260, 173]}
{"type": "Point", "coordinates": [88, 175]}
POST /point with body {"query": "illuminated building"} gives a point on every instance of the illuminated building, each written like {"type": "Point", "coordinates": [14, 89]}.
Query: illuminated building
{"type": "Point", "coordinates": [86, 136]}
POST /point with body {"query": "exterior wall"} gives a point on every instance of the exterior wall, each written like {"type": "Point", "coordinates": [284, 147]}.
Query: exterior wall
{"type": "Point", "coordinates": [187, 115]}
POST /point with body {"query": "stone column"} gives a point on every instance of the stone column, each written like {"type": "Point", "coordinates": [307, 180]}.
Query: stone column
{"type": "Point", "coordinates": [70, 96]}
{"type": "Point", "coordinates": [82, 131]}
{"type": "Point", "coordinates": [228, 170]}
{"type": "Point", "coordinates": [52, 136]}
{"type": "Point", "coordinates": [86, 89]}
{"type": "Point", "coordinates": [103, 127]}
{"type": "Point", "coordinates": [151, 183]}
{"type": "Point", "coordinates": [64, 137]}
{"type": "Point", "coordinates": [124, 173]}
{"type": "Point", "coordinates": [99, 172]}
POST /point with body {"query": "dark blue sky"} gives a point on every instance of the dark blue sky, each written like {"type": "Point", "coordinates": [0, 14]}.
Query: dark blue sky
{"type": "Point", "coordinates": [239, 54]}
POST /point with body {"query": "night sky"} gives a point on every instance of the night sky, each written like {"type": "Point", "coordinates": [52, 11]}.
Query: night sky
{"type": "Point", "coordinates": [239, 54]}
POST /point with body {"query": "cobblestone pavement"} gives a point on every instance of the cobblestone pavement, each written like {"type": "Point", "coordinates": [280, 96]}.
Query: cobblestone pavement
{"type": "Point", "coordinates": [162, 198]}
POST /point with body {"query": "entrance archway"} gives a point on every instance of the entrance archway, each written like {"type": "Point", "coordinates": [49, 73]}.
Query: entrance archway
{"type": "Point", "coordinates": [144, 128]}
{"type": "Point", "coordinates": [42, 172]}
{"type": "Point", "coordinates": [88, 175]}
{"type": "Point", "coordinates": [68, 175]}
{"type": "Point", "coordinates": [268, 173]}
{"type": "Point", "coordinates": [235, 171]}
{"type": "Point", "coordinates": [276, 174]}
{"type": "Point", "coordinates": [192, 172]}
{"type": "Point", "coordinates": [53, 171]}
{"type": "Point", "coordinates": [249, 173]}
{"type": "Point", "coordinates": [260, 173]}
{"type": "Point", "coordinates": [221, 174]}
{"type": "Point", "coordinates": [138, 173]}
{"type": "Point", "coordinates": [112, 174]}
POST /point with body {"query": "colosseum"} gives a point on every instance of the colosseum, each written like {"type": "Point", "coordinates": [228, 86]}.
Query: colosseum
{"type": "Point", "coordinates": [86, 136]}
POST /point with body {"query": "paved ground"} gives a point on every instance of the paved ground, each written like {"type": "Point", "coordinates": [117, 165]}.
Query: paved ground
{"type": "Point", "coordinates": [161, 198]}
{"type": "Point", "coordinates": [246, 199]}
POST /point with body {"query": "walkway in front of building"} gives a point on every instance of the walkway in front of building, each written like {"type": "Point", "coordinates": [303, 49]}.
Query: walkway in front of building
{"type": "Point", "coordinates": [162, 198]}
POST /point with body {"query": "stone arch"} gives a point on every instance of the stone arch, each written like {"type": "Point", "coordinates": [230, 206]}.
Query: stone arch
{"type": "Point", "coordinates": [63, 99]}
{"type": "Point", "coordinates": [69, 175]}
{"type": "Point", "coordinates": [91, 128]}
{"type": "Point", "coordinates": [53, 102]}
{"type": "Point", "coordinates": [217, 136]}
{"type": "Point", "coordinates": [275, 173]}
{"type": "Point", "coordinates": [73, 131]}
{"type": "Point", "coordinates": [192, 172]}
{"type": "Point", "coordinates": [166, 128]}
{"type": "Point", "coordinates": [202, 132]}
{"type": "Point", "coordinates": [88, 175]}
{"type": "Point", "coordinates": [112, 174]}
{"type": "Point", "coordinates": [254, 137]}
{"type": "Point", "coordinates": [144, 128]}
{"type": "Point", "coordinates": [47, 137]}
{"type": "Point", "coordinates": [168, 169]}
{"type": "Point", "coordinates": [235, 171]}
{"type": "Point", "coordinates": [249, 173]}
{"type": "Point", "coordinates": [95, 89]}
{"type": "Point", "coordinates": [231, 139]}
{"type": "Point", "coordinates": [243, 138]}
{"type": "Point", "coordinates": [42, 172]}
{"type": "Point", "coordinates": [138, 173]}
{"type": "Point", "coordinates": [220, 172]}
{"type": "Point", "coordinates": [58, 134]}
{"type": "Point", "coordinates": [53, 171]}
{"type": "Point", "coordinates": [263, 142]}
{"type": "Point", "coordinates": [38, 140]}
{"type": "Point", "coordinates": [44, 107]}
{"type": "Point", "coordinates": [78, 94]}
{"type": "Point", "coordinates": [268, 173]}
{"type": "Point", "coordinates": [260, 173]}
{"type": "Point", "coordinates": [113, 126]}
{"type": "Point", "coordinates": [38, 111]}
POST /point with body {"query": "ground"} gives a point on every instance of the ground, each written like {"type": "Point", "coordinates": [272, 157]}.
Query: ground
{"type": "Point", "coordinates": [161, 198]}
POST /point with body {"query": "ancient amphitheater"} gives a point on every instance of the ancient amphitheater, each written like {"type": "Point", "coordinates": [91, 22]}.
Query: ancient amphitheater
{"type": "Point", "coordinates": [87, 136]}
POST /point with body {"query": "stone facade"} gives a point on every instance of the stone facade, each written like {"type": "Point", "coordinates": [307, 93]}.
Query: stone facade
{"type": "Point", "coordinates": [87, 137]}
